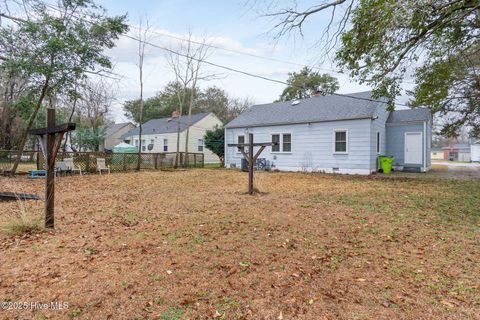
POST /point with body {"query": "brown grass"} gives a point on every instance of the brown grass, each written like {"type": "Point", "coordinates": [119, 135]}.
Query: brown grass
{"type": "Point", "coordinates": [192, 245]}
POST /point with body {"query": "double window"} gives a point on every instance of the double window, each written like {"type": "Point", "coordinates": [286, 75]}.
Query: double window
{"type": "Point", "coordinates": [200, 145]}
{"type": "Point", "coordinates": [340, 145]}
{"type": "Point", "coordinates": [283, 142]}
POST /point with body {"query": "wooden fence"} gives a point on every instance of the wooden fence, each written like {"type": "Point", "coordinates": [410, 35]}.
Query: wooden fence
{"type": "Point", "coordinates": [87, 161]}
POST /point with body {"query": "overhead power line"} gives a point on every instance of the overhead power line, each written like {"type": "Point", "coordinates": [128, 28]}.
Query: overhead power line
{"type": "Point", "coordinates": [213, 64]}
{"type": "Point", "coordinates": [293, 63]}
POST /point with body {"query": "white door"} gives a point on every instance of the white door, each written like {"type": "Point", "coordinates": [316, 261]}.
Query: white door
{"type": "Point", "coordinates": [413, 147]}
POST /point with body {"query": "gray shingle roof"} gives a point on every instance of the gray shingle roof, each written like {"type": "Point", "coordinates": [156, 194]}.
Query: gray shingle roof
{"type": "Point", "coordinates": [409, 115]}
{"type": "Point", "coordinates": [165, 125]}
{"type": "Point", "coordinates": [315, 109]}
{"type": "Point", "coordinates": [114, 128]}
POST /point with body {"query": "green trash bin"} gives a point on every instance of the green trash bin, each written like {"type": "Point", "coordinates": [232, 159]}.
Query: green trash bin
{"type": "Point", "coordinates": [386, 163]}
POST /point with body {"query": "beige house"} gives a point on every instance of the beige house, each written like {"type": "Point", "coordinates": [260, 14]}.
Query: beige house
{"type": "Point", "coordinates": [114, 133]}
{"type": "Point", "coordinates": [436, 154]}
{"type": "Point", "coordinates": [160, 135]}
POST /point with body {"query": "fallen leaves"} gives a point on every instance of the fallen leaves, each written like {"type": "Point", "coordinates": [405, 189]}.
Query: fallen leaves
{"type": "Point", "coordinates": [199, 245]}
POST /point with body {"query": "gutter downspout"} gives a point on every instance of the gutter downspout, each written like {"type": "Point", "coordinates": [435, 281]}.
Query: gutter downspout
{"type": "Point", "coordinates": [425, 146]}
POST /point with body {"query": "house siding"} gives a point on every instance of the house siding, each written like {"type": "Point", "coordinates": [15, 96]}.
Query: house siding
{"type": "Point", "coordinates": [312, 146]}
{"type": "Point", "coordinates": [396, 143]}
{"type": "Point", "coordinates": [378, 125]}
{"type": "Point", "coordinates": [115, 138]}
{"type": "Point", "coordinates": [197, 131]}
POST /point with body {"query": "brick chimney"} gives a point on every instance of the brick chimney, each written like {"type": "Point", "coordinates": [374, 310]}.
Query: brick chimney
{"type": "Point", "coordinates": [175, 114]}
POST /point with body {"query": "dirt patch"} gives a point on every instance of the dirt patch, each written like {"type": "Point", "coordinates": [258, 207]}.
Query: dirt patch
{"type": "Point", "coordinates": [192, 245]}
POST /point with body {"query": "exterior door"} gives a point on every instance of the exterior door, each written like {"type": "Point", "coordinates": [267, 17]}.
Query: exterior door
{"type": "Point", "coordinates": [413, 147]}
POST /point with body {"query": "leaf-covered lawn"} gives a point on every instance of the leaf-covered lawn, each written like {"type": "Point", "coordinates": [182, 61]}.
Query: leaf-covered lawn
{"type": "Point", "coordinates": [193, 245]}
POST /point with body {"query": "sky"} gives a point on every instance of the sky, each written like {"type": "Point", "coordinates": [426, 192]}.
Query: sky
{"type": "Point", "coordinates": [235, 25]}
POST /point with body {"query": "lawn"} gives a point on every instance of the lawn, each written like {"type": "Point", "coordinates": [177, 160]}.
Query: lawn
{"type": "Point", "coordinates": [192, 245]}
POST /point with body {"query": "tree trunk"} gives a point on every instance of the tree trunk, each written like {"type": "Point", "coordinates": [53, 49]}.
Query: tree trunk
{"type": "Point", "coordinates": [187, 134]}
{"type": "Point", "coordinates": [177, 153]}
{"type": "Point", "coordinates": [31, 120]}
{"type": "Point", "coordinates": [141, 120]}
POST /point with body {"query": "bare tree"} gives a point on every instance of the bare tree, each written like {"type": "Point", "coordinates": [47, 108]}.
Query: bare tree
{"type": "Point", "coordinates": [289, 19]}
{"type": "Point", "coordinates": [187, 65]}
{"type": "Point", "coordinates": [89, 107]}
{"type": "Point", "coordinates": [143, 39]}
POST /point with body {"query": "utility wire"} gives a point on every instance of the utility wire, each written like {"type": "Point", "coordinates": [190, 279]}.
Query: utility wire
{"type": "Point", "coordinates": [215, 64]}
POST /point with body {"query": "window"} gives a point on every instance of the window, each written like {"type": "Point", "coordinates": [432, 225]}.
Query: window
{"type": "Point", "coordinates": [341, 141]}
{"type": "Point", "coordinates": [144, 148]}
{"type": "Point", "coordinates": [276, 139]}
{"type": "Point", "coordinates": [287, 142]}
{"type": "Point", "coordinates": [200, 145]}
{"type": "Point", "coordinates": [240, 140]}
{"type": "Point", "coordinates": [136, 143]}
{"type": "Point", "coordinates": [378, 142]}
{"type": "Point", "coordinates": [165, 145]}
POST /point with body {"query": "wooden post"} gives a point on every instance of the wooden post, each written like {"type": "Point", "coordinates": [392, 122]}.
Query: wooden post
{"type": "Point", "coordinates": [250, 157]}
{"type": "Point", "coordinates": [50, 181]}
{"type": "Point", "coordinates": [250, 163]}
{"type": "Point", "coordinates": [50, 141]}
{"type": "Point", "coordinates": [87, 162]}
{"type": "Point", "coordinates": [124, 162]}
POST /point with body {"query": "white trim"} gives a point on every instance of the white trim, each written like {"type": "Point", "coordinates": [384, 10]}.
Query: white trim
{"type": "Point", "coordinates": [200, 145]}
{"type": "Point", "coordinates": [424, 146]}
{"type": "Point", "coordinates": [326, 170]}
{"type": "Point", "coordinates": [244, 140]}
{"type": "Point", "coordinates": [280, 142]}
{"type": "Point", "coordinates": [346, 141]}
{"type": "Point", "coordinates": [405, 146]}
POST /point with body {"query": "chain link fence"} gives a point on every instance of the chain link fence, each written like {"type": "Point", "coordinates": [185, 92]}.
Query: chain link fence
{"type": "Point", "coordinates": [87, 161]}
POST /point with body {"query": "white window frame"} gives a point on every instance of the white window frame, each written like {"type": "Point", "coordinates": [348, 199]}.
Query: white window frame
{"type": "Point", "coordinates": [280, 142]}
{"type": "Point", "coordinates": [244, 140]}
{"type": "Point", "coordinates": [202, 144]}
{"type": "Point", "coordinates": [378, 142]}
{"type": "Point", "coordinates": [291, 142]}
{"type": "Point", "coordinates": [334, 135]}
{"type": "Point", "coordinates": [165, 144]}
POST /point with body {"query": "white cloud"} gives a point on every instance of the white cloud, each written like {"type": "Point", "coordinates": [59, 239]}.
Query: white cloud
{"type": "Point", "coordinates": [158, 74]}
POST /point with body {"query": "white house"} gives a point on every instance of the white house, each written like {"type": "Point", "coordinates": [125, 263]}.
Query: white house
{"type": "Point", "coordinates": [160, 135]}
{"type": "Point", "coordinates": [475, 151]}
{"type": "Point", "coordinates": [336, 133]}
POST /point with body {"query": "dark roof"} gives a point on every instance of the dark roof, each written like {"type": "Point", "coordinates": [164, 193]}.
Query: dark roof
{"type": "Point", "coordinates": [315, 109]}
{"type": "Point", "coordinates": [409, 115]}
{"type": "Point", "coordinates": [165, 125]}
{"type": "Point", "coordinates": [458, 146]}
{"type": "Point", "coordinates": [115, 127]}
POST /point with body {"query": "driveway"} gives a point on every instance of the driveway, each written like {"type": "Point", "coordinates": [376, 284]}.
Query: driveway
{"type": "Point", "coordinates": [459, 170]}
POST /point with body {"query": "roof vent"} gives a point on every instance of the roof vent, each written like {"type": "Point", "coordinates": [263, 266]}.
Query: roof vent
{"type": "Point", "coordinates": [295, 102]}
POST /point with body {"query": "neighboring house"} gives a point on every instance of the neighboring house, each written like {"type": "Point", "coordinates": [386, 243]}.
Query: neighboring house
{"type": "Point", "coordinates": [160, 135]}
{"type": "Point", "coordinates": [436, 154]}
{"type": "Point", "coordinates": [475, 151]}
{"type": "Point", "coordinates": [336, 133]}
{"type": "Point", "coordinates": [114, 133]}
{"type": "Point", "coordinates": [457, 152]}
